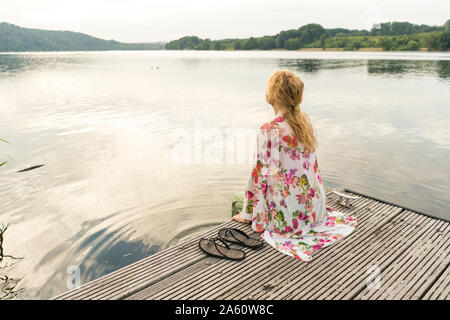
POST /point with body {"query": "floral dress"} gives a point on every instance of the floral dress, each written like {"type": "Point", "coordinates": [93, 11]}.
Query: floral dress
{"type": "Point", "coordinates": [285, 198]}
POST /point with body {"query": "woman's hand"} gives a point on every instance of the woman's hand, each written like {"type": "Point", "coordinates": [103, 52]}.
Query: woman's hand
{"type": "Point", "coordinates": [239, 218]}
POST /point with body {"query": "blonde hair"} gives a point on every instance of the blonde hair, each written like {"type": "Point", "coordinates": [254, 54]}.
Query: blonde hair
{"type": "Point", "coordinates": [286, 89]}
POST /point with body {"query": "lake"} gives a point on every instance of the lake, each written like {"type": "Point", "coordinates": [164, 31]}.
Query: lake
{"type": "Point", "coordinates": [145, 148]}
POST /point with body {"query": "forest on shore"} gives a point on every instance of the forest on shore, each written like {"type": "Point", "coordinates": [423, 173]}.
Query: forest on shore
{"type": "Point", "coordinates": [17, 39]}
{"type": "Point", "coordinates": [389, 36]}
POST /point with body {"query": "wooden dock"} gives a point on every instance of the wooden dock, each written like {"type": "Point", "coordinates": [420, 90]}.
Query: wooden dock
{"type": "Point", "coordinates": [394, 253]}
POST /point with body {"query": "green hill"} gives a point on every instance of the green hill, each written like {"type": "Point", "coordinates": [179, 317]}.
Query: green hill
{"type": "Point", "coordinates": [389, 36]}
{"type": "Point", "coordinates": [15, 38]}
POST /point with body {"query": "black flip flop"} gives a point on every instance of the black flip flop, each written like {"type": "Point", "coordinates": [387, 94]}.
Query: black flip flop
{"type": "Point", "coordinates": [234, 235]}
{"type": "Point", "coordinates": [211, 247]}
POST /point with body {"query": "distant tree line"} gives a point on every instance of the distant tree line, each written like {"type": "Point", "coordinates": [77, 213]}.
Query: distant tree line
{"type": "Point", "coordinates": [388, 36]}
{"type": "Point", "coordinates": [15, 38]}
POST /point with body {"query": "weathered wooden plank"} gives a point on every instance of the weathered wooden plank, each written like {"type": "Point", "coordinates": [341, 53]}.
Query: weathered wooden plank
{"type": "Point", "coordinates": [392, 242]}
{"type": "Point", "coordinates": [248, 284]}
{"type": "Point", "coordinates": [341, 252]}
{"type": "Point", "coordinates": [328, 275]}
{"type": "Point", "coordinates": [436, 261]}
{"type": "Point", "coordinates": [413, 272]}
{"type": "Point", "coordinates": [382, 257]}
{"type": "Point", "coordinates": [440, 289]}
{"type": "Point", "coordinates": [384, 245]}
{"type": "Point", "coordinates": [179, 277]}
{"type": "Point", "coordinates": [195, 284]}
{"type": "Point", "coordinates": [262, 270]}
{"type": "Point", "coordinates": [275, 280]}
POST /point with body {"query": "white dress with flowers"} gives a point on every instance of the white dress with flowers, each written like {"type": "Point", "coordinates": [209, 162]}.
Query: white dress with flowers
{"type": "Point", "coordinates": [285, 199]}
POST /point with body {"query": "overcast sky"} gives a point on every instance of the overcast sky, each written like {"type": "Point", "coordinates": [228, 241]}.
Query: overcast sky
{"type": "Point", "coordinates": [151, 20]}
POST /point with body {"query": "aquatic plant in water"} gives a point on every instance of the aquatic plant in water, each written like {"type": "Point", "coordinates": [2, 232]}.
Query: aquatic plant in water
{"type": "Point", "coordinates": [8, 285]}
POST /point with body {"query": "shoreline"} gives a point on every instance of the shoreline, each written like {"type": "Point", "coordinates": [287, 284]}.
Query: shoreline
{"type": "Point", "coordinates": [421, 50]}
{"type": "Point", "coordinates": [342, 49]}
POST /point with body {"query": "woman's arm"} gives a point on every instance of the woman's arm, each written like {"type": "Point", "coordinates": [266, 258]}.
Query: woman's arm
{"type": "Point", "coordinates": [255, 208]}
{"type": "Point", "coordinates": [245, 216]}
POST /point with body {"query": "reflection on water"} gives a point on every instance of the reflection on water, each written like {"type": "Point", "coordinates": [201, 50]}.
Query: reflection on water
{"type": "Point", "coordinates": [316, 65]}
{"type": "Point", "coordinates": [375, 66]}
{"type": "Point", "coordinates": [407, 68]}
{"type": "Point", "coordinates": [13, 63]}
{"type": "Point", "coordinates": [106, 125]}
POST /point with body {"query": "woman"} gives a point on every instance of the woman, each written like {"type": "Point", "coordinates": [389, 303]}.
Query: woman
{"type": "Point", "coordinates": [285, 200]}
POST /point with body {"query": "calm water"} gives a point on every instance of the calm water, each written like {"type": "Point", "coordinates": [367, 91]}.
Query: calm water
{"type": "Point", "coordinates": [109, 127]}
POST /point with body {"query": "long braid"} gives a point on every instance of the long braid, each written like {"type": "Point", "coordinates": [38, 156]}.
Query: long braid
{"type": "Point", "coordinates": [287, 90]}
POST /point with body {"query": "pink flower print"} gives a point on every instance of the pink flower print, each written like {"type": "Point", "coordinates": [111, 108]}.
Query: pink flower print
{"type": "Point", "coordinates": [265, 217]}
{"type": "Point", "coordinates": [288, 180]}
{"type": "Point", "coordinates": [316, 166]}
{"type": "Point", "coordinates": [249, 194]}
{"type": "Point", "coordinates": [259, 228]}
{"type": "Point", "coordinates": [330, 223]}
{"type": "Point", "coordinates": [287, 245]}
{"type": "Point", "coordinates": [264, 188]}
{"type": "Point", "coordinates": [269, 144]}
{"type": "Point", "coordinates": [279, 119]}
{"type": "Point", "coordinates": [299, 232]}
{"type": "Point", "coordinates": [306, 165]}
{"type": "Point", "coordinates": [295, 223]}
{"type": "Point", "coordinates": [301, 199]}
{"type": "Point", "coordinates": [302, 216]}
{"type": "Point", "coordinates": [288, 229]}
{"type": "Point", "coordinates": [319, 178]}
{"type": "Point", "coordinates": [272, 205]}
{"type": "Point", "coordinates": [294, 155]}
{"type": "Point", "coordinates": [317, 247]}
{"type": "Point", "coordinates": [283, 203]}
{"type": "Point", "coordinates": [311, 192]}
{"type": "Point", "coordinates": [265, 157]}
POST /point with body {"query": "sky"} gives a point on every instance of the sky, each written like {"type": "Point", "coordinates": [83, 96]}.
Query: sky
{"type": "Point", "coordinates": [166, 20]}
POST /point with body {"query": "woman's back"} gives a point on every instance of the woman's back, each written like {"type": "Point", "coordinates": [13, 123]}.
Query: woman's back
{"type": "Point", "coordinates": [295, 195]}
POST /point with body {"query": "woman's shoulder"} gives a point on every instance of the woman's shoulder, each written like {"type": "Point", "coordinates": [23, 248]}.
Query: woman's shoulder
{"type": "Point", "coordinates": [269, 125]}
{"type": "Point", "coordinates": [275, 123]}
